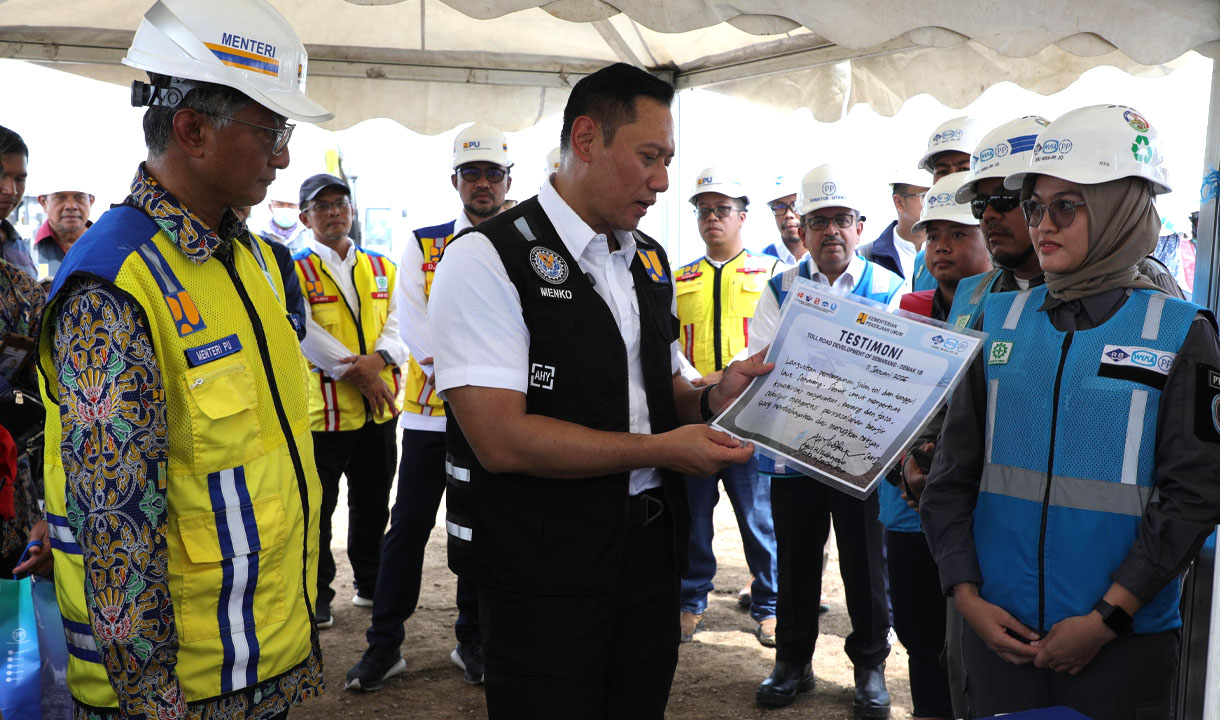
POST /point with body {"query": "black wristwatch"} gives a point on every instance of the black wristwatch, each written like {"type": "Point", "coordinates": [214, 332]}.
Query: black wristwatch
{"type": "Point", "coordinates": [705, 405]}
{"type": "Point", "coordinates": [385, 355]}
{"type": "Point", "coordinates": [1114, 617]}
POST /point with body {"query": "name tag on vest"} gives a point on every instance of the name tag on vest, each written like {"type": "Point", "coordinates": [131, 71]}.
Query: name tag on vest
{"type": "Point", "coordinates": [319, 299]}
{"type": "Point", "coordinates": [428, 267]}
{"type": "Point", "coordinates": [215, 350]}
{"type": "Point", "coordinates": [380, 295]}
{"type": "Point", "coordinates": [555, 293]}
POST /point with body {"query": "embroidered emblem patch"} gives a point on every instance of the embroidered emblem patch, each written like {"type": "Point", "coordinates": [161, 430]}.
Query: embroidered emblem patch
{"type": "Point", "coordinates": [549, 265]}
{"type": "Point", "coordinates": [1000, 352]}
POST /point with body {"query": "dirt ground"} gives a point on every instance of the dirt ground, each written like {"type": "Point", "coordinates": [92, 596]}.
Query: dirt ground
{"type": "Point", "coordinates": [716, 678]}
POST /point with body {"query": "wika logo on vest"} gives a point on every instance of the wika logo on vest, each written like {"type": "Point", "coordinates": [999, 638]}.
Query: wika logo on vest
{"type": "Point", "coordinates": [549, 265]}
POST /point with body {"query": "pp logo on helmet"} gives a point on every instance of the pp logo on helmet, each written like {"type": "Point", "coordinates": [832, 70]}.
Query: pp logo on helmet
{"type": "Point", "coordinates": [549, 265]}
{"type": "Point", "coordinates": [828, 188]}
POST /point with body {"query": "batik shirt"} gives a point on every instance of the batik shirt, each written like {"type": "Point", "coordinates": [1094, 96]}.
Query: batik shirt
{"type": "Point", "coordinates": [21, 301]}
{"type": "Point", "coordinates": [115, 444]}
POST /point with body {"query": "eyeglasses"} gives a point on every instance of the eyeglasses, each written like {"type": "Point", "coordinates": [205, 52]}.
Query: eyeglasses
{"type": "Point", "coordinates": [1063, 212]}
{"type": "Point", "coordinates": [1000, 202]}
{"type": "Point", "coordinates": [919, 195]}
{"type": "Point", "coordinates": [821, 222]}
{"type": "Point", "coordinates": [279, 136]}
{"type": "Point", "coordinates": [722, 211]}
{"type": "Point", "coordinates": [325, 208]}
{"type": "Point", "coordinates": [495, 176]}
{"type": "Point", "coordinates": [781, 208]}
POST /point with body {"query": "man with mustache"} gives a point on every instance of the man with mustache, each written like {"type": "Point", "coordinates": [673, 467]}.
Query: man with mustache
{"type": "Point", "coordinates": [67, 219]}
{"type": "Point", "coordinates": [802, 509]}
{"type": "Point", "coordinates": [481, 168]}
{"type": "Point", "coordinates": [354, 354]}
{"type": "Point", "coordinates": [14, 156]}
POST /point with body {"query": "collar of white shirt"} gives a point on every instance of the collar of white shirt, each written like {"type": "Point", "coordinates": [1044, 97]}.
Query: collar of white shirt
{"type": "Point", "coordinates": [462, 222]}
{"type": "Point", "coordinates": [575, 232]}
{"type": "Point", "coordinates": [330, 257]}
{"type": "Point", "coordinates": [850, 276]}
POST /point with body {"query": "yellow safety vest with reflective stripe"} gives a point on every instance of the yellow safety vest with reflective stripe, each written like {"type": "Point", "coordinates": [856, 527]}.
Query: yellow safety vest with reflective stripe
{"type": "Point", "coordinates": [715, 306]}
{"type": "Point", "coordinates": [420, 397]}
{"type": "Point", "coordinates": [335, 404]}
{"type": "Point", "coordinates": [240, 485]}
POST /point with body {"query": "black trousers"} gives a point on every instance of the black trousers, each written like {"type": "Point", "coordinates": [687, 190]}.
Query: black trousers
{"type": "Point", "coordinates": [919, 619]}
{"type": "Point", "coordinates": [421, 482]}
{"type": "Point", "coordinates": [803, 510]}
{"type": "Point", "coordinates": [367, 457]}
{"type": "Point", "coordinates": [589, 657]}
{"type": "Point", "coordinates": [1132, 678]}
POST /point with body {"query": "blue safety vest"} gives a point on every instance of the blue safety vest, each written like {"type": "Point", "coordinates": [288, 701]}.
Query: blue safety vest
{"type": "Point", "coordinates": [875, 283]}
{"type": "Point", "coordinates": [1069, 461]}
{"type": "Point", "coordinates": [968, 298]}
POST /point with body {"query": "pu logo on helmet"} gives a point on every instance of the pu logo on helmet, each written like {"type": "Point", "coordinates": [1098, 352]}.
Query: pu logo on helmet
{"type": "Point", "coordinates": [703, 181]}
{"type": "Point", "coordinates": [828, 188]}
{"type": "Point", "coordinates": [471, 145]}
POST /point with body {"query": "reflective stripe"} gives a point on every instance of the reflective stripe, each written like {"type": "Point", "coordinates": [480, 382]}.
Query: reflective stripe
{"type": "Point", "coordinates": [1014, 312]}
{"type": "Point", "coordinates": [1066, 492]}
{"type": "Point", "coordinates": [80, 641]}
{"type": "Point", "coordinates": [1152, 317]}
{"type": "Point", "coordinates": [460, 474]}
{"type": "Point", "coordinates": [330, 404]}
{"type": "Point", "coordinates": [689, 348]}
{"type": "Point", "coordinates": [457, 531]}
{"type": "Point", "coordinates": [1135, 434]}
{"type": "Point", "coordinates": [984, 287]}
{"type": "Point", "coordinates": [237, 533]}
{"type": "Point", "coordinates": [61, 535]}
{"type": "Point", "coordinates": [152, 258]}
{"type": "Point", "coordinates": [523, 227]}
{"type": "Point", "coordinates": [993, 389]}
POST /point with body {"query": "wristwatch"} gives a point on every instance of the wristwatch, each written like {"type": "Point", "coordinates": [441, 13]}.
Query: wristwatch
{"type": "Point", "coordinates": [1114, 617]}
{"type": "Point", "coordinates": [705, 406]}
{"type": "Point", "coordinates": [385, 355]}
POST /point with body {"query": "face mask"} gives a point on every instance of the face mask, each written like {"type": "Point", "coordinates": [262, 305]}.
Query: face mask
{"type": "Point", "coordinates": [285, 217]}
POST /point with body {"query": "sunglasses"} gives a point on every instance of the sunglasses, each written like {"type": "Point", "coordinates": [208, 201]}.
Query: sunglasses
{"type": "Point", "coordinates": [1063, 212]}
{"type": "Point", "coordinates": [821, 222]}
{"type": "Point", "coordinates": [1000, 202]}
{"type": "Point", "coordinates": [495, 176]}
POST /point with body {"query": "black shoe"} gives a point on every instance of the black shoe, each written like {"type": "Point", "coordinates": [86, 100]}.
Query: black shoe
{"type": "Point", "coordinates": [377, 664]}
{"type": "Point", "coordinates": [468, 656]}
{"type": "Point", "coordinates": [322, 616]}
{"type": "Point", "coordinates": [872, 699]}
{"type": "Point", "coordinates": [784, 682]}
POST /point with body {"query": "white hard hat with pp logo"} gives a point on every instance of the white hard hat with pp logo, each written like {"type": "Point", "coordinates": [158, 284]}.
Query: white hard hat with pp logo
{"type": "Point", "coordinates": [960, 134]}
{"type": "Point", "coordinates": [242, 44]}
{"type": "Point", "coordinates": [1002, 152]}
{"type": "Point", "coordinates": [826, 186]}
{"type": "Point", "coordinates": [1097, 144]}
{"type": "Point", "coordinates": [481, 143]}
{"type": "Point", "coordinates": [941, 203]}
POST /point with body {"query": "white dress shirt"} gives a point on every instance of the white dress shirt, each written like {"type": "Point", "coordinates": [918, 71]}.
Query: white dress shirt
{"type": "Point", "coordinates": [766, 313]}
{"type": "Point", "coordinates": [323, 349]}
{"type": "Point", "coordinates": [906, 257]}
{"type": "Point", "coordinates": [415, 329]}
{"type": "Point", "coordinates": [481, 338]}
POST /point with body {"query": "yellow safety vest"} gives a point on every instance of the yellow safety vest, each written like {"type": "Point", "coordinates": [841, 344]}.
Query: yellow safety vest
{"type": "Point", "coordinates": [420, 397]}
{"type": "Point", "coordinates": [334, 404]}
{"type": "Point", "coordinates": [715, 306]}
{"type": "Point", "coordinates": [240, 484]}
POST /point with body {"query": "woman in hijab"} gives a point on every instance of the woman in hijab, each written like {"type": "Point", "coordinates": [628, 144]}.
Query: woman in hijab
{"type": "Point", "coordinates": [1075, 476]}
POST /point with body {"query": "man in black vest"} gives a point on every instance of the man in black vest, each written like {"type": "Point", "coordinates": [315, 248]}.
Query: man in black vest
{"type": "Point", "coordinates": [568, 425]}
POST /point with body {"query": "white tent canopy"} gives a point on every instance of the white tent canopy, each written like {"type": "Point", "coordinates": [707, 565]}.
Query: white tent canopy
{"type": "Point", "coordinates": [432, 64]}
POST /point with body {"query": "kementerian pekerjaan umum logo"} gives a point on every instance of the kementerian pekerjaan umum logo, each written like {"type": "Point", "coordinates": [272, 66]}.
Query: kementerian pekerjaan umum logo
{"type": "Point", "coordinates": [549, 265]}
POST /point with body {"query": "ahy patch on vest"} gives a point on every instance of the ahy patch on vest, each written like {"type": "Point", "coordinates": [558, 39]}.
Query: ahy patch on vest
{"type": "Point", "coordinates": [549, 265]}
{"type": "Point", "coordinates": [203, 354]}
{"type": "Point", "coordinates": [1136, 364]}
{"type": "Point", "coordinates": [1207, 404]}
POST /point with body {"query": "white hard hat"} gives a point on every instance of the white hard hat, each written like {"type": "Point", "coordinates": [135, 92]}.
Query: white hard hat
{"type": "Point", "coordinates": [1002, 152]}
{"type": "Point", "coordinates": [960, 134]}
{"type": "Point", "coordinates": [243, 44]}
{"type": "Point", "coordinates": [552, 162]}
{"type": "Point", "coordinates": [284, 189]}
{"type": "Point", "coordinates": [941, 203]}
{"type": "Point", "coordinates": [719, 180]}
{"type": "Point", "coordinates": [904, 175]}
{"type": "Point", "coordinates": [61, 182]}
{"type": "Point", "coordinates": [1097, 144]}
{"type": "Point", "coordinates": [481, 143]}
{"type": "Point", "coordinates": [783, 186]}
{"type": "Point", "coordinates": [826, 186]}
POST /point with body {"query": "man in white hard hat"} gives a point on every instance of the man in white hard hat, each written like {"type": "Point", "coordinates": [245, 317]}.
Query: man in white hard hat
{"type": "Point", "coordinates": [183, 503]}
{"type": "Point", "coordinates": [481, 167]}
{"type": "Point", "coordinates": [67, 218]}
{"type": "Point", "coordinates": [790, 248]}
{"type": "Point", "coordinates": [948, 152]}
{"type": "Point", "coordinates": [803, 510]}
{"type": "Point", "coordinates": [896, 248]}
{"type": "Point", "coordinates": [716, 295]}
